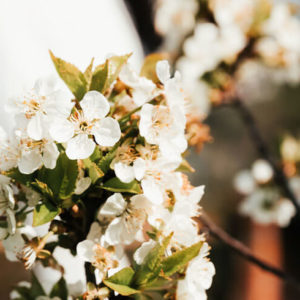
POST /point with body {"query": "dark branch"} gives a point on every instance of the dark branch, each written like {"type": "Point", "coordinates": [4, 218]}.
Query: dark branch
{"type": "Point", "coordinates": [263, 150]}
{"type": "Point", "coordinates": [245, 252]}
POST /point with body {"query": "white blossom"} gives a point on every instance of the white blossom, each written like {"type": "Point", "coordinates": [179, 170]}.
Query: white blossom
{"type": "Point", "coordinates": [198, 277]}
{"type": "Point", "coordinates": [90, 121]}
{"type": "Point", "coordinates": [129, 217]}
{"type": "Point", "coordinates": [40, 107]}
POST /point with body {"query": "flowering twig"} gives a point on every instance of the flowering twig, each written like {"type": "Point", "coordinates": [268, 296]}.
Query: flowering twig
{"type": "Point", "coordinates": [263, 150]}
{"type": "Point", "coordinates": [245, 252]}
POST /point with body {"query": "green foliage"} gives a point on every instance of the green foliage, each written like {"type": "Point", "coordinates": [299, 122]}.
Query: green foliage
{"type": "Point", "coordinates": [19, 177]}
{"type": "Point", "coordinates": [73, 77]}
{"type": "Point", "coordinates": [179, 259]}
{"type": "Point", "coordinates": [105, 74]}
{"type": "Point", "coordinates": [60, 290]}
{"type": "Point", "coordinates": [151, 267]}
{"type": "Point", "coordinates": [149, 67]}
{"type": "Point", "coordinates": [88, 74]}
{"type": "Point", "coordinates": [120, 282]}
{"type": "Point", "coordinates": [44, 213]}
{"type": "Point", "coordinates": [36, 288]}
{"type": "Point", "coordinates": [93, 170]}
{"type": "Point", "coordinates": [62, 179]}
{"type": "Point", "coordinates": [117, 186]}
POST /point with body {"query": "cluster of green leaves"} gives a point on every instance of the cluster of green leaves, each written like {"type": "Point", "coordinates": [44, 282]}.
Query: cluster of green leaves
{"type": "Point", "coordinates": [155, 271]}
{"type": "Point", "coordinates": [31, 293]}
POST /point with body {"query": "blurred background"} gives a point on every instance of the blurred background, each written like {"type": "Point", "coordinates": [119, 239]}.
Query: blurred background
{"type": "Point", "coordinates": [78, 30]}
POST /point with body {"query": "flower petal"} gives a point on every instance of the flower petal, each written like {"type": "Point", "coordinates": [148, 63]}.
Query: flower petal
{"type": "Point", "coordinates": [114, 205]}
{"type": "Point", "coordinates": [85, 250]}
{"type": "Point", "coordinates": [80, 147]}
{"type": "Point", "coordinates": [34, 127]}
{"type": "Point", "coordinates": [124, 172]}
{"type": "Point", "coordinates": [61, 130]}
{"type": "Point", "coordinates": [107, 132]}
{"type": "Point", "coordinates": [94, 105]}
{"type": "Point", "coordinates": [163, 71]}
{"type": "Point", "coordinates": [50, 155]}
{"type": "Point", "coordinates": [30, 162]}
{"type": "Point", "coordinates": [140, 254]}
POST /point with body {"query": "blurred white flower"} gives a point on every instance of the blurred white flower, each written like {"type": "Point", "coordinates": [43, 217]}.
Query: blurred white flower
{"type": "Point", "coordinates": [198, 277]}
{"type": "Point", "coordinates": [262, 171]}
{"type": "Point", "coordinates": [83, 123]}
{"type": "Point", "coordinates": [265, 206]}
{"type": "Point", "coordinates": [175, 19]}
{"type": "Point", "coordinates": [244, 182]}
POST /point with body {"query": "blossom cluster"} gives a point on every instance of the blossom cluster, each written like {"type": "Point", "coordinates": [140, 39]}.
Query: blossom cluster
{"type": "Point", "coordinates": [222, 39]}
{"type": "Point", "coordinates": [103, 171]}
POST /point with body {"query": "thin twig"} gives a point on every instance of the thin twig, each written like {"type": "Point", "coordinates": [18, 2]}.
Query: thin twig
{"type": "Point", "coordinates": [263, 150]}
{"type": "Point", "coordinates": [245, 252]}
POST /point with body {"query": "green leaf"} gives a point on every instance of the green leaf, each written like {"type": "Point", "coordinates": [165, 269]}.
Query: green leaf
{"type": "Point", "coordinates": [185, 167]}
{"type": "Point", "coordinates": [117, 186]}
{"type": "Point", "coordinates": [44, 213]}
{"type": "Point", "coordinates": [62, 179]}
{"type": "Point", "coordinates": [60, 290]}
{"type": "Point", "coordinates": [19, 177]}
{"type": "Point", "coordinates": [73, 77]}
{"type": "Point", "coordinates": [123, 277]}
{"type": "Point", "coordinates": [120, 282]}
{"type": "Point", "coordinates": [94, 171]}
{"type": "Point", "coordinates": [178, 260]}
{"type": "Point", "coordinates": [142, 297]}
{"type": "Point", "coordinates": [88, 74]}
{"type": "Point", "coordinates": [104, 163]}
{"type": "Point", "coordinates": [123, 290]}
{"type": "Point", "coordinates": [105, 74]}
{"type": "Point", "coordinates": [36, 288]}
{"type": "Point", "coordinates": [151, 267]}
{"type": "Point", "coordinates": [149, 67]}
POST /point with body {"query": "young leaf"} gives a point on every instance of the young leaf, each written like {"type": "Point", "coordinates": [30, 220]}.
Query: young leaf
{"type": "Point", "coordinates": [120, 282]}
{"type": "Point", "coordinates": [60, 290]}
{"type": "Point", "coordinates": [117, 186]}
{"type": "Point", "coordinates": [105, 161]}
{"type": "Point", "coordinates": [179, 259]}
{"type": "Point", "coordinates": [72, 76]}
{"type": "Point", "coordinates": [123, 290]}
{"type": "Point", "coordinates": [42, 188]}
{"type": "Point", "coordinates": [88, 74]}
{"type": "Point", "coordinates": [105, 74]}
{"type": "Point", "coordinates": [149, 67]}
{"type": "Point", "coordinates": [123, 277]}
{"type": "Point", "coordinates": [185, 167]}
{"type": "Point", "coordinates": [44, 213]}
{"type": "Point", "coordinates": [151, 267]}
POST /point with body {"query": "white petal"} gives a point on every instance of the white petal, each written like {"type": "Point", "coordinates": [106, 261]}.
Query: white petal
{"type": "Point", "coordinates": [146, 122]}
{"type": "Point", "coordinates": [152, 191]}
{"type": "Point", "coordinates": [3, 233]}
{"type": "Point", "coordinates": [85, 250]}
{"type": "Point", "coordinates": [61, 130]}
{"type": "Point", "coordinates": [80, 147]}
{"type": "Point", "coordinates": [82, 185]}
{"type": "Point", "coordinates": [35, 128]}
{"type": "Point", "coordinates": [140, 202]}
{"type": "Point", "coordinates": [124, 172]}
{"type": "Point", "coordinates": [163, 71]}
{"type": "Point", "coordinates": [139, 166]}
{"type": "Point", "coordinates": [94, 105]}
{"type": "Point", "coordinates": [11, 220]}
{"type": "Point", "coordinates": [30, 162]}
{"type": "Point", "coordinates": [114, 231]}
{"type": "Point", "coordinates": [114, 205]}
{"type": "Point", "coordinates": [50, 155]}
{"type": "Point", "coordinates": [107, 132]}
{"type": "Point", "coordinates": [95, 232]}
{"type": "Point", "coordinates": [140, 254]}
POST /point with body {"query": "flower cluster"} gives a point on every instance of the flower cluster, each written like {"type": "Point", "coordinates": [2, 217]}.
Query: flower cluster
{"type": "Point", "coordinates": [263, 201]}
{"type": "Point", "coordinates": [224, 36]}
{"type": "Point", "coordinates": [103, 171]}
